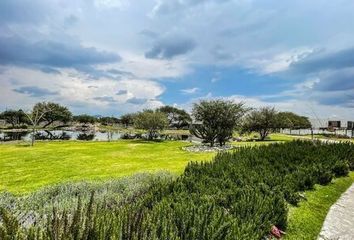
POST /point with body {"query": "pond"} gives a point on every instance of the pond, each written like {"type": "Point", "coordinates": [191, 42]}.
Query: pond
{"type": "Point", "coordinates": [6, 136]}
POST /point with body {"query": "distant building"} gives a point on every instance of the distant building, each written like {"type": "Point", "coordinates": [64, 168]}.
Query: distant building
{"type": "Point", "coordinates": [350, 125]}
{"type": "Point", "coordinates": [332, 124]}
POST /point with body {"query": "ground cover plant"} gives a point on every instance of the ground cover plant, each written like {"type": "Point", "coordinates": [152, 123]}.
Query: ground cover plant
{"type": "Point", "coordinates": [239, 195]}
{"type": "Point", "coordinates": [305, 221]}
{"type": "Point", "coordinates": [24, 169]}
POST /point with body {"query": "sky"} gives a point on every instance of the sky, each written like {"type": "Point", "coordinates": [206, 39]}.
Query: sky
{"type": "Point", "coordinates": [111, 57]}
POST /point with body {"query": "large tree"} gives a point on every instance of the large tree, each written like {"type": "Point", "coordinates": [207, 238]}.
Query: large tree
{"type": "Point", "coordinates": [108, 120]}
{"type": "Point", "coordinates": [177, 118]}
{"type": "Point", "coordinates": [127, 119]}
{"type": "Point", "coordinates": [58, 113]}
{"type": "Point", "coordinates": [292, 121]}
{"type": "Point", "coordinates": [35, 117]}
{"type": "Point", "coordinates": [151, 121]}
{"type": "Point", "coordinates": [14, 117]}
{"type": "Point", "coordinates": [262, 121]}
{"type": "Point", "coordinates": [216, 120]}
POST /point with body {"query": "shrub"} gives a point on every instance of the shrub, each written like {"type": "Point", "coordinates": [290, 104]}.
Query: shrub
{"type": "Point", "coordinates": [341, 169]}
{"type": "Point", "coordinates": [324, 177]}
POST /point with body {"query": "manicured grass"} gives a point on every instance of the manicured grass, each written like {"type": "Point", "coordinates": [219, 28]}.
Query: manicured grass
{"type": "Point", "coordinates": [24, 169]}
{"type": "Point", "coordinates": [305, 221]}
{"type": "Point", "coordinates": [272, 138]}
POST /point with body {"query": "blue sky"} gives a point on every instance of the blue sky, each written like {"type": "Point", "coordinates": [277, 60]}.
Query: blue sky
{"type": "Point", "coordinates": [111, 57]}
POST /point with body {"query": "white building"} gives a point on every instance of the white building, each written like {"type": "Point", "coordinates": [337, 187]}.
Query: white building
{"type": "Point", "coordinates": [325, 123]}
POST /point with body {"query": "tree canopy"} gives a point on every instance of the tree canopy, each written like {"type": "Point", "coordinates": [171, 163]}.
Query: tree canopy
{"type": "Point", "coordinates": [151, 121]}
{"type": "Point", "coordinates": [177, 118]}
{"type": "Point", "coordinates": [14, 117]}
{"type": "Point", "coordinates": [85, 119]}
{"type": "Point", "coordinates": [262, 121]}
{"type": "Point", "coordinates": [215, 120]}
{"type": "Point", "coordinates": [293, 121]}
{"type": "Point", "coordinates": [57, 113]}
{"type": "Point", "coordinates": [108, 120]}
{"type": "Point", "coordinates": [127, 119]}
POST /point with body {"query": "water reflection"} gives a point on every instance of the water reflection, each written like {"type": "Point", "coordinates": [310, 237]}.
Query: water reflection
{"type": "Point", "coordinates": [48, 135]}
{"type": "Point", "coordinates": [12, 136]}
{"type": "Point", "coordinates": [85, 136]}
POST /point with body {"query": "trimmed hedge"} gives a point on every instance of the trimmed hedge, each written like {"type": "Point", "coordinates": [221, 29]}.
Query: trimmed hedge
{"type": "Point", "coordinates": [239, 195]}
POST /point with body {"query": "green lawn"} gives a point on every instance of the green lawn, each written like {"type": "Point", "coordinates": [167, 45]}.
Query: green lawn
{"type": "Point", "coordinates": [24, 169]}
{"type": "Point", "coordinates": [305, 221]}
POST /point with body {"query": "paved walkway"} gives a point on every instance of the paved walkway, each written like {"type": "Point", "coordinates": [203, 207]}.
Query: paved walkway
{"type": "Point", "coordinates": [339, 223]}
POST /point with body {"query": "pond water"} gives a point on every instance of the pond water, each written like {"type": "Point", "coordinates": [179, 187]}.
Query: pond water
{"type": "Point", "coordinates": [79, 135]}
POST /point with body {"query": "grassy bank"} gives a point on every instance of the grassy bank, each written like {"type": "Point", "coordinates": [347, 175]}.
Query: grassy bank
{"type": "Point", "coordinates": [24, 169]}
{"type": "Point", "coordinates": [305, 221]}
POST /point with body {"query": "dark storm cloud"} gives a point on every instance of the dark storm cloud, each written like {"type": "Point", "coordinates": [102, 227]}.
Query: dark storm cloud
{"type": "Point", "coordinates": [340, 80]}
{"type": "Point", "coordinates": [337, 99]}
{"type": "Point", "coordinates": [34, 91]}
{"type": "Point", "coordinates": [325, 61]}
{"type": "Point", "coordinates": [171, 47]}
{"type": "Point", "coordinates": [17, 51]}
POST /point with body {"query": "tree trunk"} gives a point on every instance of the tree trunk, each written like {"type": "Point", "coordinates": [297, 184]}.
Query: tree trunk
{"type": "Point", "coordinates": [47, 124]}
{"type": "Point", "coordinates": [33, 137]}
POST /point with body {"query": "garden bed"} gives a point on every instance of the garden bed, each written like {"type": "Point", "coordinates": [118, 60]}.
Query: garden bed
{"type": "Point", "coordinates": [242, 194]}
{"type": "Point", "coordinates": [208, 148]}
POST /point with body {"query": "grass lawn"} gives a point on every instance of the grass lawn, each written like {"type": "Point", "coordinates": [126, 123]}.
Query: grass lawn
{"type": "Point", "coordinates": [305, 221]}
{"type": "Point", "coordinates": [24, 169]}
{"type": "Point", "coordinates": [273, 138]}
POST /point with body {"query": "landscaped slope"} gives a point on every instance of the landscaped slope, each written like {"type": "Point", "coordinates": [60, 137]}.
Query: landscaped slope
{"type": "Point", "coordinates": [240, 195]}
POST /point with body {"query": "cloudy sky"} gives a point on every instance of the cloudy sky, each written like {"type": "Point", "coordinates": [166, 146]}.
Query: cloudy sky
{"type": "Point", "coordinates": [111, 57]}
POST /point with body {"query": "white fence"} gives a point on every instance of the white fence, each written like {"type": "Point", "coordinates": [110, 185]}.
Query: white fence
{"type": "Point", "coordinates": [348, 133]}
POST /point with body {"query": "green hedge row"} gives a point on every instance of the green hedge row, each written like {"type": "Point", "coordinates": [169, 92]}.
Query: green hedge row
{"type": "Point", "coordinates": [239, 195]}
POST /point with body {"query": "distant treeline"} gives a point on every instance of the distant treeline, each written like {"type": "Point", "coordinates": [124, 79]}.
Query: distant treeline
{"type": "Point", "coordinates": [214, 121]}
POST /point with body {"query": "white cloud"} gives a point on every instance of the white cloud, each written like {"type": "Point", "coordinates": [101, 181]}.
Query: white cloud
{"type": "Point", "coordinates": [280, 61]}
{"type": "Point", "coordinates": [190, 90]}
{"type": "Point", "coordinates": [77, 92]}
{"type": "Point", "coordinates": [145, 68]}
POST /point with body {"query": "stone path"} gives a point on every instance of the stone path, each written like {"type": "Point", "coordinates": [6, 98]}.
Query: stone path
{"type": "Point", "coordinates": [339, 223]}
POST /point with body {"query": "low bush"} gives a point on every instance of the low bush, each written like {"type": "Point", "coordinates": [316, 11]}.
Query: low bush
{"type": "Point", "coordinates": [340, 168]}
{"type": "Point", "coordinates": [239, 195]}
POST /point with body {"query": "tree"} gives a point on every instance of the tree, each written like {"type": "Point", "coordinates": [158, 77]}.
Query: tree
{"type": "Point", "coordinates": [14, 117]}
{"type": "Point", "coordinates": [292, 121]}
{"type": "Point", "coordinates": [127, 119]}
{"type": "Point", "coordinates": [262, 121]}
{"type": "Point", "coordinates": [35, 117]}
{"type": "Point", "coordinates": [84, 119]}
{"type": "Point", "coordinates": [151, 121]}
{"type": "Point", "coordinates": [108, 120]}
{"type": "Point", "coordinates": [216, 120]}
{"type": "Point", "coordinates": [177, 118]}
{"type": "Point", "coordinates": [58, 113]}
